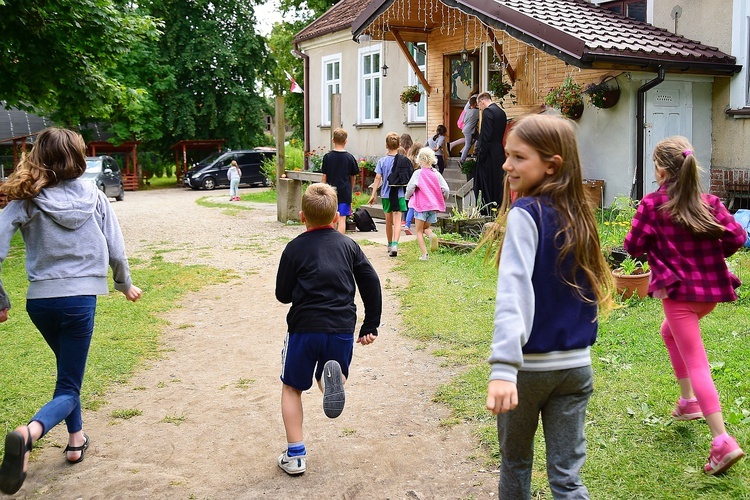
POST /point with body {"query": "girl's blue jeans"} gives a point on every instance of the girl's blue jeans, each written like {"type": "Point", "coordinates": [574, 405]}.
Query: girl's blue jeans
{"type": "Point", "coordinates": [67, 324]}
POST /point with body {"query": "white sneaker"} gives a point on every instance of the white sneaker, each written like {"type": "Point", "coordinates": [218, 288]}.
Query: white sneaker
{"type": "Point", "coordinates": [293, 465]}
{"type": "Point", "coordinates": [433, 242]}
{"type": "Point", "coordinates": [424, 257]}
{"type": "Point", "coordinates": [334, 396]}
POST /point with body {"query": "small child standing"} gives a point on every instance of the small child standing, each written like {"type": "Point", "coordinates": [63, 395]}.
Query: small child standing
{"type": "Point", "coordinates": [412, 155]}
{"type": "Point", "coordinates": [437, 143]}
{"type": "Point", "coordinates": [340, 170]}
{"type": "Point", "coordinates": [319, 273]}
{"type": "Point", "coordinates": [234, 175]}
{"type": "Point", "coordinates": [426, 192]}
{"type": "Point", "coordinates": [686, 235]}
{"type": "Point", "coordinates": [71, 237]}
{"type": "Point", "coordinates": [552, 282]}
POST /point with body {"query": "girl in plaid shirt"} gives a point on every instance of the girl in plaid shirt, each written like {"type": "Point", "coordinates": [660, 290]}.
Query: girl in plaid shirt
{"type": "Point", "coordinates": [686, 235]}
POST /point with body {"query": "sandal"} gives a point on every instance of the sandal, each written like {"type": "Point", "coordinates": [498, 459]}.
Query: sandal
{"type": "Point", "coordinates": [81, 448]}
{"type": "Point", "coordinates": [12, 474]}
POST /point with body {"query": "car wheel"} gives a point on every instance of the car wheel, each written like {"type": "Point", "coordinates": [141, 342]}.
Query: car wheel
{"type": "Point", "coordinates": [121, 196]}
{"type": "Point", "coordinates": [101, 188]}
{"type": "Point", "coordinates": [209, 183]}
{"type": "Point", "coordinates": [266, 182]}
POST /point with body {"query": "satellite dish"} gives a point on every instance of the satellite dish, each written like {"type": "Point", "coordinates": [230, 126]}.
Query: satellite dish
{"type": "Point", "coordinates": [676, 12]}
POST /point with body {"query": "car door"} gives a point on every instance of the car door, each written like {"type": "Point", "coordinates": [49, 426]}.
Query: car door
{"type": "Point", "coordinates": [109, 177]}
{"type": "Point", "coordinates": [249, 163]}
{"type": "Point", "coordinates": [223, 166]}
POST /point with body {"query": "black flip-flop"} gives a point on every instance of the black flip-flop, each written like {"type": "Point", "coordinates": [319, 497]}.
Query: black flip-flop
{"type": "Point", "coordinates": [12, 474]}
{"type": "Point", "coordinates": [81, 448]}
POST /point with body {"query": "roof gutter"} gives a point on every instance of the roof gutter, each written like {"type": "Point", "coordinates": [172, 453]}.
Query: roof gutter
{"type": "Point", "coordinates": [640, 123]}
{"type": "Point", "coordinates": [306, 100]}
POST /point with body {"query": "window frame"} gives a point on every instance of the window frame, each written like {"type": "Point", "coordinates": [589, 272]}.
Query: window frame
{"type": "Point", "coordinates": [623, 4]}
{"type": "Point", "coordinates": [739, 86]}
{"type": "Point", "coordinates": [376, 98]}
{"type": "Point", "coordinates": [325, 101]}
{"type": "Point", "coordinates": [417, 112]}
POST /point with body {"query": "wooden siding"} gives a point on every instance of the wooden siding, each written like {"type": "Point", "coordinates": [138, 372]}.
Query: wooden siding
{"type": "Point", "coordinates": [536, 72]}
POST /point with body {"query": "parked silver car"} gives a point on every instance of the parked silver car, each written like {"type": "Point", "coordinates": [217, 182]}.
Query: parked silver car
{"type": "Point", "coordinates": [105, 173]}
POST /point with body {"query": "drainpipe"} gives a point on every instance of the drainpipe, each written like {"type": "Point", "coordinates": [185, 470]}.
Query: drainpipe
{"type": "Point", "coordinates": [640, 123]}
{"type": "Point", "coordinates": [306, 79]}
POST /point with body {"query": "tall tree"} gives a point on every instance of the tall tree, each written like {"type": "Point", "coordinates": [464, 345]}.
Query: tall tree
{"type": "Point", "coordinates": [55, 56]}
{"type": "Point", "coordinates": [217, 60]}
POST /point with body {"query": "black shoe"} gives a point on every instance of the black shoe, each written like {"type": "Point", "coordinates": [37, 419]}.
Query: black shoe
{"type": "Point", "coordinates": [334, 396]}
{"type": "Point", "coordinates": [81, 448]}
{"type": "Point", "coordinates": [12, 474]}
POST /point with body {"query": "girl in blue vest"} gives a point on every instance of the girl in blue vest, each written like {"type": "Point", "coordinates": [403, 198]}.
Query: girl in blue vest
{"type": "Point", "coordinates": [552, 283]}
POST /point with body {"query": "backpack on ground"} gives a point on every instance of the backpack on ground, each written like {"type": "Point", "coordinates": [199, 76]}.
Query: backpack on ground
{"type": "Point", "coordinates": [363, 220]}
{"type": "Point", "coordinates": [401, 171]}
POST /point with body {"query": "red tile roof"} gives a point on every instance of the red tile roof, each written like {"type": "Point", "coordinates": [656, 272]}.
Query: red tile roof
{"type": "Point", "coordinates": [337, 18]}
{"type": "Point", "coordinates": [585, 34]}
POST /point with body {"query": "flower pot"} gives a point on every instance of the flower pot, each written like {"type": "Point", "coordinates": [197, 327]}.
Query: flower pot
{"type": "Point", "coordinates": [351, 225]}
{"type": "Point", "coordinates": [610, 98]}
{"type": "Point", "coordinates": [575, 112]}
{"type": "Point", "coordinates": [628, 284]}
{"type": "Point", "coordinates": [416, 98]}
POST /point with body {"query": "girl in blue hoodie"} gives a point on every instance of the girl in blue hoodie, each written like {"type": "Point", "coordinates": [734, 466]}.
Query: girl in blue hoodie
{"type": "Point", "coordinates": [552, 282]}
{"type": "Point", "coordinates": [71, 237]}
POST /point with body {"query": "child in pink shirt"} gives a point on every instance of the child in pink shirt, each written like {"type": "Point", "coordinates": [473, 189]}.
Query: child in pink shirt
{"type": "Point", "coordinates": [426, 192]}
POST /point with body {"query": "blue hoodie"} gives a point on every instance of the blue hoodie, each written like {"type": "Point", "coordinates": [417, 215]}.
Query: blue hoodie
{"type": "Point", "coordinates": [71, 236]}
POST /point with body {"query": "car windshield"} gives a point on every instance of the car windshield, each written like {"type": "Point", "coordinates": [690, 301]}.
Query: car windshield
{"type": "Point", "coordinates": [93, 168]}
{"type": "Point", "coordinates": [210, 159]}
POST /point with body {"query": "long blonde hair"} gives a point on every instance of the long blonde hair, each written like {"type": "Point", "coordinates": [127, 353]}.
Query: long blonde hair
{"type": "Point", "coordinates": [549, 136]}
{"type": "Point", "coordinates": [674, 155]}
{"type": "Point", "coordinates": [58, 154]}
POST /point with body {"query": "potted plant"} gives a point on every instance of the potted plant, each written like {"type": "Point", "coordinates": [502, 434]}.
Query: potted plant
{"type": "Point", "coordinates": [632, 277]}
{"type": "Point", "coordinates": [500, 88]}
{"type": "Point", "coordinates": [567, 97]}
{"type": "Point", "coordinates": [467, 168]}
{"type": "Point", "coordinates": [602, 94]}
{"type": "Point", "coordinates": [410, 94]}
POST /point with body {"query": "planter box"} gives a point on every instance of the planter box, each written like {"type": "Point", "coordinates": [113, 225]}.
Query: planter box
{"type": "Point", "coordinates": [594, 189]}
{"type": "Point", "coordinates": [471, 228]}
{"type": "Point", "coordinates": [458, 246]}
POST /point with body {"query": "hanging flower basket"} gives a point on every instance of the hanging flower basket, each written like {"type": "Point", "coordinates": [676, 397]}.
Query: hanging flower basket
{"type": "Point", "coordinates": [603, 95]}
{"type": "Point", "coordinates": [410, 94]}
{"type": "Point", "coordinates": [568, 98]}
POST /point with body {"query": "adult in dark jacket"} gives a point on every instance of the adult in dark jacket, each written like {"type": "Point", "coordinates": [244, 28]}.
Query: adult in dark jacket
{"type": "Point", "coordinates": [489, 174]}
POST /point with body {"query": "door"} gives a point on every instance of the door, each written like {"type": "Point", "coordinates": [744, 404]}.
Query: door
{"type": "Point", "coordinates": [250, 165]}
{"type": "Point", "coordinates": [222, 166]}
{"type": "Point", "coordinates": [669, 111]}
{"type": "Point", "coordinates": [110, 177]}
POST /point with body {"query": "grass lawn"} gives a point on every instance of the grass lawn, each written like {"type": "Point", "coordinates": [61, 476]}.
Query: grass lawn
{"type": "Point", "coordinates": [635, 450]}
{"type": "Point", "coordinates": [125, 335]}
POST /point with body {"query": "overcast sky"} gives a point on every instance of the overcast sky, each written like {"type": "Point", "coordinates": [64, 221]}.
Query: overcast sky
{"type": "Point", "coordinates": [266, 14]}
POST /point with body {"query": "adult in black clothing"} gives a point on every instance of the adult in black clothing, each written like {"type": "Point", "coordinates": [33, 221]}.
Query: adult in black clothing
{"type": "Point", "coordinates": [488, 173]}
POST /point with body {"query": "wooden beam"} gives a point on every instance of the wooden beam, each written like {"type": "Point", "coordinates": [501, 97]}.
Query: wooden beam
{"type": "Point", "coordinates": [501, 55]}
{"type": "Point", "coordinates": [411, 61]}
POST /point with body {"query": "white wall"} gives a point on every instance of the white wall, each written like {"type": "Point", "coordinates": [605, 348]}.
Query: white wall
{"type": "Point", "coordinates": [363, 141]}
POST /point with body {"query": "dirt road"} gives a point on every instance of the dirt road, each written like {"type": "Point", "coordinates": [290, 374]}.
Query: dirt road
{"type": "Point", "coordinates": [211, 424]}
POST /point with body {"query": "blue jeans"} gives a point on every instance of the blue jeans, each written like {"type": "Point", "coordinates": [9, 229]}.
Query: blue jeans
{"type": "Point", "coordinates": [67, 324]}
{"type": "Point", "coordinates": [234, 187]}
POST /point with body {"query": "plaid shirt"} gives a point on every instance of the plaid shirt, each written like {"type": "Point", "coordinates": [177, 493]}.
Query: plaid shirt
{"type": "Point", "coordinates": [690, 269]}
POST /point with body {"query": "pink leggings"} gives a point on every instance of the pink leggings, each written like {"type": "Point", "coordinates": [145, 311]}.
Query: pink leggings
{"type": "Point", "coordinates": [682, 336]}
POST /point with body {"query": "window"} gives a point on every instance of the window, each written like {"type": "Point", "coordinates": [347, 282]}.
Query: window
{"type": "Point", "coordinates": [418, 111]}
{"type": "Point", "coordinates": [331, 85]}
{"type": "Point", "coordinates": [634, 9]}
{"type": "Point", "coordinates": [739, 88]}
{"type": "Point", "coordinates": [369, 84]}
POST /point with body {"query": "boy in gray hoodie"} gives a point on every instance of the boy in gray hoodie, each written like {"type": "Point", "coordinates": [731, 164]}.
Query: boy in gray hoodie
{"type": "Point", "coordinates": [71, 236]}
